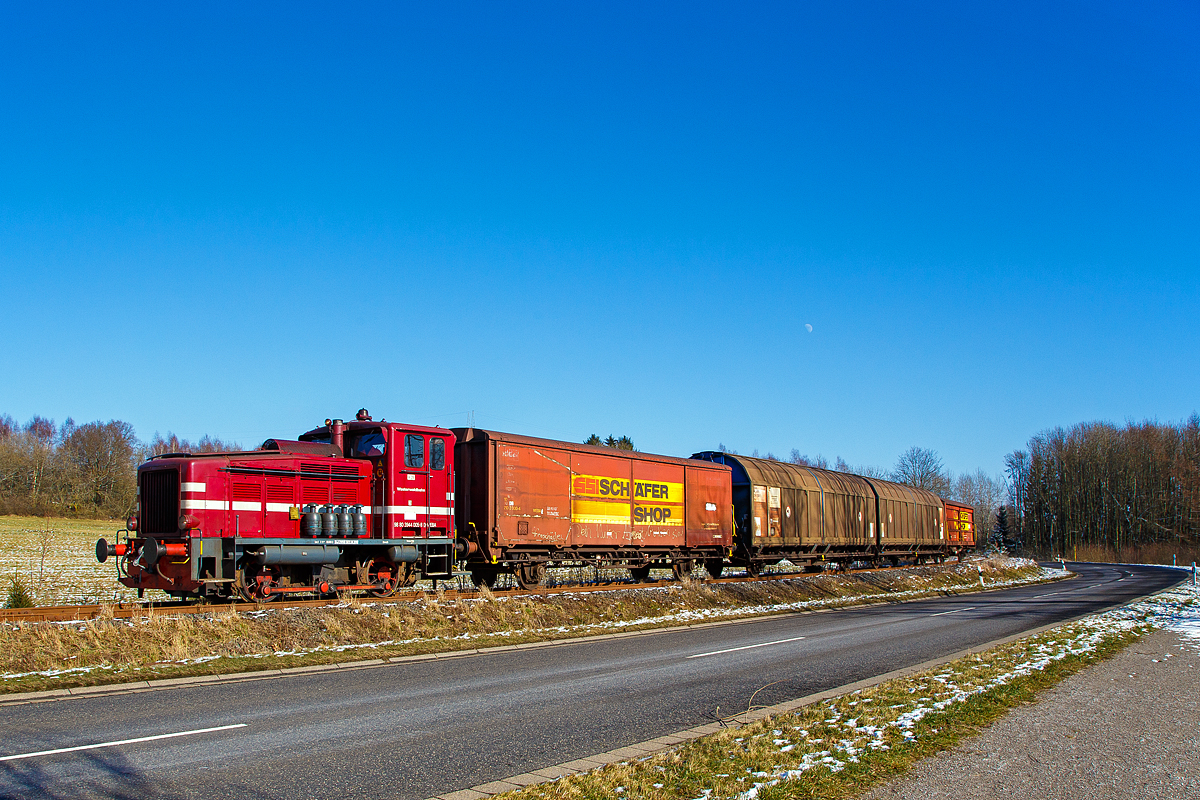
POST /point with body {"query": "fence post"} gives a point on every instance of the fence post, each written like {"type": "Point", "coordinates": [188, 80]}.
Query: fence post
{"type": "Point", "coordinates": [1193, 573]}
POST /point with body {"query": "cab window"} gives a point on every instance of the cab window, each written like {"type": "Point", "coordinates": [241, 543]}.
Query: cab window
{"type": "Point", "coordinates": [437, 453]}
{"type": "Point", "coordinates": [370, 445]}
{"type": "Point", "coordinates": [414, 451]}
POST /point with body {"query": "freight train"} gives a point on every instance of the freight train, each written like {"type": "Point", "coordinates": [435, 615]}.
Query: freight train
{"type": "Point", "coordinates": [373, 506]}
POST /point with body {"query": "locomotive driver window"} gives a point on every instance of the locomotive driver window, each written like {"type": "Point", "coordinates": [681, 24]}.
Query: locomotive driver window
{"type": "Point", "coordinates": [437, 453]}
{"type": "Point", "coordinates": [414, 451]}
{"type": "Point", "coordinates": [370, 445]}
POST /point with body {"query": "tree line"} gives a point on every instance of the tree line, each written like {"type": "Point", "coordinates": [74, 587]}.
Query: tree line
{"type": "Point", "coordinates": [86, 470]}
{"type": "Point", "coordinates": [1106, 486]}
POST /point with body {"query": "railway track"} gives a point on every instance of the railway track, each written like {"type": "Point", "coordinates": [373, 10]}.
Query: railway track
{"type": "Point", "coordinates": [83, 613]}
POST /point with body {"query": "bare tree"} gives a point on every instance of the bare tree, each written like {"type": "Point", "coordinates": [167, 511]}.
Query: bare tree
{"type": "Point", "coordinates": [818, 461]}
{"type": "Point", "coordinates": [922, 468]}
{"type": "Point", "coordinates": [174, 444]}
{"type": "Point", "coordinates": [102, 457]}
{"type": "Point", "coordinates": [983, 493]}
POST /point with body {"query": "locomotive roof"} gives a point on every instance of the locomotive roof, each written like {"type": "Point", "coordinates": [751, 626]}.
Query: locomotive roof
{"type": "Point", "coordinates": [767, 472]}
{"type": "Point", "coordinates": [479, 434]}
{"type": "Point", "coordinates": [358, 425]}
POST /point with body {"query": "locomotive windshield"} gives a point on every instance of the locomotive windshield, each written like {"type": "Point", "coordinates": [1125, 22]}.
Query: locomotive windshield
{"type": "Point", "coordinates": [368, 445]}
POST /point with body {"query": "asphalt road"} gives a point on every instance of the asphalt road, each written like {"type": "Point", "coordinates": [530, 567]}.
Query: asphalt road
{"type": "Point", "coordinates": [413, 730]}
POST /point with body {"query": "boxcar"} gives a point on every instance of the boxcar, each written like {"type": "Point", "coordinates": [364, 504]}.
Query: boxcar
{"type": "Point", "coordinates": [809, 515]}
{"type": "Point", "coordinates": [523, 504]}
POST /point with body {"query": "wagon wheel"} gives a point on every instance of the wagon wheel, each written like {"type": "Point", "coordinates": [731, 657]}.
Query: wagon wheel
{"type": "Point", "coordinates": [683, 568]}
{"type": "Point", "coordinates": [715, 567]}
{"type": "Point", "coordinates": [484, 576]}
{"type": "Point", "coordinates": [531, 575]}
{"type": "Point", "coordinates": [382, 575]}
{"type": "Point", "coordinates": [640, 574]}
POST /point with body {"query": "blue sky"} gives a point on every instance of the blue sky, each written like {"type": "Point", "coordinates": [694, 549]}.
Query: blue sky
{"type": "Point", "coordinates": [576, 218]}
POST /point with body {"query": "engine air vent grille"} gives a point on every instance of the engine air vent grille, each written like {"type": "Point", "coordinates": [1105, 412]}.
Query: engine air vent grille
{"type": "Point", "coordinates": [280, 494]}
{"type": "Point", "coordinates": [246, 491]}
{"type": "Point", "coordinates": [315, 469]}
{"type": "Point", "coordinates": [159, 496]}
{"type": "Point", "coordinates": [315, 492]}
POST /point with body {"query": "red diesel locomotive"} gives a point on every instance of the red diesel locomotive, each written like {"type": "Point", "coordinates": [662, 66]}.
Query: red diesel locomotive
{"type": "Point", "coordinates": [375, 506]}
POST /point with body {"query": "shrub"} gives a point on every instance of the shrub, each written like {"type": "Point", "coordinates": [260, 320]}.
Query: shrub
{"type": "Point", "coordinates": [18, 595]}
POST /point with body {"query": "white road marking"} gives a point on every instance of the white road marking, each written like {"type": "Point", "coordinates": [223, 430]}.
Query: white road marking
{"type": "Point", "coordinates": [747, 647]}
{"type": "Point", "coordinates": [121, 742]}
{"type": "Point", "coordinates": [955, 611]}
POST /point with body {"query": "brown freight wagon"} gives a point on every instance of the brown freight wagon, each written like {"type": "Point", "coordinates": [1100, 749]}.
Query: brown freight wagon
{"type": "Point", "coordinates": [911, 523]}
{"type": "Point", "coordinates": [960, 526]}
{"type": "Point", "coordinates": [523, 504]}
{"type": "Point", "coordinates": [809, 515]}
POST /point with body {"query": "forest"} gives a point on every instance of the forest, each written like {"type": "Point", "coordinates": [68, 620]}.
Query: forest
{"type": "Point", "coordinates": [1131, 492]}
{"type": "Point", "coordinates": [79, 470]}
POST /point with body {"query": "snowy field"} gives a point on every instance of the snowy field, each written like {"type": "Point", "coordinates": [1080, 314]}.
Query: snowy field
{"type": "Point", "coordinates": [56, 558]}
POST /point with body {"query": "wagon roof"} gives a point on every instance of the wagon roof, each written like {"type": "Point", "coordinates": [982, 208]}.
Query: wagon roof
{"type": "Point", "coordinates": [767, 472]}
{"type": "Point", "coordinates": [479, 434]}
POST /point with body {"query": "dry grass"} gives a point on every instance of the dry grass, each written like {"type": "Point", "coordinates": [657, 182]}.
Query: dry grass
{"type": "Point", "coordinates": [1165, 553]}
{"type": "Point", "coordinates": [36, 656]}
{"type": "Point", "coordinates": [57, 560]}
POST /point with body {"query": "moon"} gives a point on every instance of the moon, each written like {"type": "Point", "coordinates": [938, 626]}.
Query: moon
{"type": "Point", "coordinates": [808, 327]}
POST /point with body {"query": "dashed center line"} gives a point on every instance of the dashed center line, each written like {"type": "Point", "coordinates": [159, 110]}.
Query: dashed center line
{"type": "Point", "coordinates": [746, 647]}
{"type": "Point", "coordinates": [955, 611]}
{"type": "Point", "coordinates": [121, 742]}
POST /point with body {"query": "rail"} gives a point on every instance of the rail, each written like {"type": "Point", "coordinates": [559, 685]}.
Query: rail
{"type": "Point", "coordinates": [85, 613]}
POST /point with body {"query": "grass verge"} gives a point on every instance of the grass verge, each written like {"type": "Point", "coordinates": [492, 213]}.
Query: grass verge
{"type": "Point", "coordinates": [843, 747]}
{"type": "Point", "coordinates": [41, 656]}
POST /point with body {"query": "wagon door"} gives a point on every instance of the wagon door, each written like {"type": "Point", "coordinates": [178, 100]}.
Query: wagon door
{"type": "Point", "coordinates": [709, 511]}
{"type": "Point", "coordinates": [758, 513]}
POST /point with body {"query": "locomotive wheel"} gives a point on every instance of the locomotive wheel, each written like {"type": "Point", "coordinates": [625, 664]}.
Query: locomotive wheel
{"type": "Point", "coordinates": [683, 568]}
{"type": "Point", "coordinates": [383, 579]}
{"type": "Point", "coordinates": [531, 575]}
{"type": "Point", "coordinates": [640, 574]}
{"type": "Point", "coordinates": [754, 568]}
{"type": "Point", "coordinates": [715, 567]}
{"type": "Point", "coordinates": [484, 576]}
{"type": "Point", "coordinates": [254, 585]}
